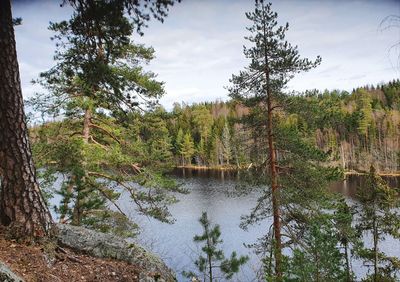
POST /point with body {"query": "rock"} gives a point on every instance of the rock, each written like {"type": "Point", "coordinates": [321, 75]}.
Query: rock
{"type": "Point", "coordinates": [104, 245]}
{"type": "Point", "coordinates": [6, 275]}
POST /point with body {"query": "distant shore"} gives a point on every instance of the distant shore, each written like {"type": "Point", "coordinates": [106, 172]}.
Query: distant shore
{"type": "Point", "coordinates": [234, 168]}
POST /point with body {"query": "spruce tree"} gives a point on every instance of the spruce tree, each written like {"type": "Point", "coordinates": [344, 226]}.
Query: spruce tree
{"type": "Point", "coordinates": [226, 143]}
{"type": "Point", "coordinates": [187, 149]}
{"type": "Point", "coordinates": [178, 145]}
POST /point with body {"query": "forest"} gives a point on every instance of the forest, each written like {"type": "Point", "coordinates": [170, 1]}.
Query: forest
{"type": "Point", "coordinates": [103, 140]}
{"type": "Point", "coordinates": [357, 129]}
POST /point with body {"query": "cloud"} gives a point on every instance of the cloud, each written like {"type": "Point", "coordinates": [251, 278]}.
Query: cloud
{"type": "Point", "coordinates": [199, 46]}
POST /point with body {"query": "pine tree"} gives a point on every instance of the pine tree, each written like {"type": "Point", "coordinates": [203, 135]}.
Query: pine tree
{"type": "Point", "coordinates": [22, 206]}
{"type": "Point", "coordinates": [379, 215]}
{"type": "Point", "coordinates": [346, 233]}
{"type": "Point", "coordinates": [318, 258]}
{"type": "Point", "coordinates": [98, 85]}
{"type": "Point", "coordinates": [214, 258]}
{"type": "Point", "coordinates": [274, 62]}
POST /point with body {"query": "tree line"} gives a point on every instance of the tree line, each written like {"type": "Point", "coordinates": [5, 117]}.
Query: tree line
{"type": "Point", "coordinates": [113, 139]}
{"type": "Point", "coordinates": [356, 128]}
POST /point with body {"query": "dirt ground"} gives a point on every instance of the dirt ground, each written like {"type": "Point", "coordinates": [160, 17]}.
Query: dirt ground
{"type": "Point", "coordinates": [50, 263]}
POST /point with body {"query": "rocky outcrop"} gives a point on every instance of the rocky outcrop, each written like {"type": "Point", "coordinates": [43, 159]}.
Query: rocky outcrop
{"type": "Point", "coordinates": [109, 246]}
{"type": "Point", "coordinates": [6, 275]}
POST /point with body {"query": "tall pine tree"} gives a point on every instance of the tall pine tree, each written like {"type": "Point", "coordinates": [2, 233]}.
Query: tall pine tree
{"type": "Point", "coordinates": [282, 154]}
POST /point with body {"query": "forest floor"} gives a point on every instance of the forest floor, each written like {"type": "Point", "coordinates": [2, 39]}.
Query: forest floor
{"type": "Point", "coordinates": [43, 263]}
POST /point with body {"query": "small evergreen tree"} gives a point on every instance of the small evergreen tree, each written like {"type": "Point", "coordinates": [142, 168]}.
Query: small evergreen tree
{"type": "Point", "coordinates": [318, 257]}
{"type": "Point", "coordinates": [214, 257]}
{"type": "Point", "coordinates": [379, 215]}
{"type": "Point", "coordinates": [187, 149]}
{"type": "Point", "coordinates": [179, 145]}
{"type": "Point", "coordinates": [347, 234]}
{"type": "Point", "coordinates": [226, 143]}
{"type": "Point", "coordinates": [97, 85]}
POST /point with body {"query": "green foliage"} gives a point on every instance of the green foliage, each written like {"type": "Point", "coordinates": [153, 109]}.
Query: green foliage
{"type": "Point", "coordinates": [226, 143]}
{"type": "Point", "coordinates": [318, 258]}
{"type": "Point", "coordinates": [104, 143]}
{"type": "Point", "coordinates": [187, 148]}
{"type": "Point", "coordinates": [379, 216]}
{"type": "Point", "coordinates": [214, 258]}
{"type": "Point", "coordinates": [328, 120]}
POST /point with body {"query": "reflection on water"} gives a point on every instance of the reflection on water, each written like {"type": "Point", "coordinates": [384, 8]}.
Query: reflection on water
{"type": "Point", "coordinates": [347, 187]}
{"type": "Point", "coordinates": [217, 174]}
{"type": "Point", "coordinates": [209, 190]}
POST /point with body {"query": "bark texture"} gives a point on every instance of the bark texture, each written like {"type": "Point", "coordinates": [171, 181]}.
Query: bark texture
{"type": "Point", "coordinates": [21, 204]}
{"type": "Point", "coordinates": [274, 188]}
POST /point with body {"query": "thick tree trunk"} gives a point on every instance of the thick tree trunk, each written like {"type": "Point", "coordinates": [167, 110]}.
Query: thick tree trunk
{"type": "Point", "coordinates": [21, 204]}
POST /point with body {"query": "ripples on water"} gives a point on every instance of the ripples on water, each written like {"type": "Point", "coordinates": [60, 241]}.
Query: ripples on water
{"type": "Point", "coordinates": [209, 191]}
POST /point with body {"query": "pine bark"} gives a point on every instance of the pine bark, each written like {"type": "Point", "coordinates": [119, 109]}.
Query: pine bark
{"type": "Point", "coordinates": [22, 207]}
{"type": "Point", "coordinates": [275, 195]}
{"type": "Point", "coordinates": [274, 184]}
{"type": "Point", "coordinates": [86, 125]}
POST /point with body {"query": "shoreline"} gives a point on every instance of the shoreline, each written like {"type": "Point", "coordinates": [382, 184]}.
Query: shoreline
{"type": "Point", "coordinates": [234, 168]}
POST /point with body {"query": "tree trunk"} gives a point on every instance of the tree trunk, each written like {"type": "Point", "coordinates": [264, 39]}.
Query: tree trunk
{"type": "Point", "coordinates": [346, 253]}
{"type": "Point", "coordinates": [209, 256]}
{"type": "Point", "coordinates": [86, 125]}
{"type": "Point", "coordinates": [22, 207]}
{"type": "Point", "coordinates": [274, 187]}
{"type": "Point", "coordinates": [375, 230]}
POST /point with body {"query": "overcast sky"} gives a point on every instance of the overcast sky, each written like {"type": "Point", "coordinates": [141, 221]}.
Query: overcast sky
{"type": "Point", "coordinates": [200, 44]}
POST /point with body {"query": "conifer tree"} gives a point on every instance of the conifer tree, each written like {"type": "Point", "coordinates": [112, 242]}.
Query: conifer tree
{"type": "Point", "coordinates": [226, 143]}
{"type": "Point", "coordinates": [379, 216]}
{"type": "Point", "coordinates": [156, 136]}
{"type": "Point", "coordinates": [187, 149]}
{"type": "Point", "coordinates": [318, 257]}
{"type": "Point", "coordinates": [260, 87]}
{"type": "Point", "coordinates": [346, 233]}
{"type": "Point", "coordinates": [178, 145]}
{"type": "Point", "coordinates": [214, 258]}
{"type": "Point", "coordinates": [98, 84]}
{"type": "Point", "coordinates": [22, 207]}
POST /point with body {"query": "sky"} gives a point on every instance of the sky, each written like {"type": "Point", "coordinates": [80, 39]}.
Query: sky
{"type": "Point", "coordinates": [200, 44]}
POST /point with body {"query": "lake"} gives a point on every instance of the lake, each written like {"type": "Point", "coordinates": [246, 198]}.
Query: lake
{"type": "Point", "coordinates": [210, 191]}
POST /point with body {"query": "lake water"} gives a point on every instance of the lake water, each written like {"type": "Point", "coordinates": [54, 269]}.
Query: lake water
{"type": "Point", "coordinates": [210, 191]}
